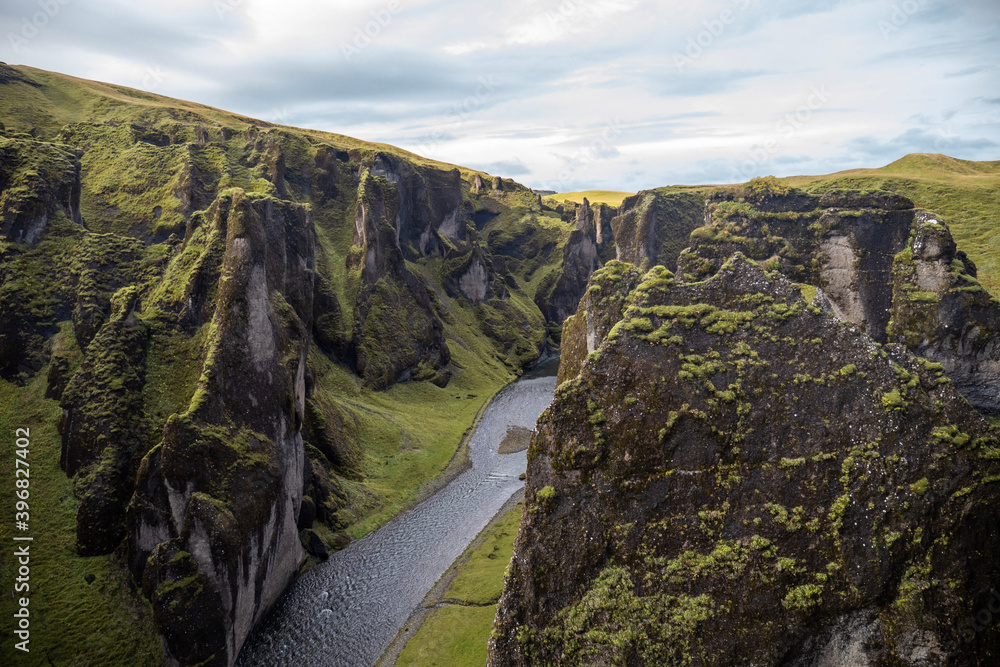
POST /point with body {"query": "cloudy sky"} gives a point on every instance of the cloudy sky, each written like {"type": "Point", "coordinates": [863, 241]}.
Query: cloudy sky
{"type": "Point", "coordinates": [563, 94]}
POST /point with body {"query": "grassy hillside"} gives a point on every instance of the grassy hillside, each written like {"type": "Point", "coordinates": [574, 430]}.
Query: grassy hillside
{"type": "Point", "coordinates": [456, 631]}
{"type": "Point", "coordinates": [609, 197]}
{"type": "Point", "coordinates": [151, 169]}
{"type": "Point", "coordinates": [965, 194]}
{"type": "Point", "coordinates": [60, 100]}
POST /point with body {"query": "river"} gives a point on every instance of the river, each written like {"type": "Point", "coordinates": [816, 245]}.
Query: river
{"type": "Point", "coordinates": [346, 611]}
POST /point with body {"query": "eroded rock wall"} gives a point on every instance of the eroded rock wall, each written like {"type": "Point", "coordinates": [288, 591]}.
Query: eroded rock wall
{"type": "Point", "coordinates": [735, 476]}
{"type": "Point", "coordinates": [942, 313]}
{"type": "Point", "coordinates": [586, 250]}
{"type": "Point", "coordinates": [877, 263]}
{"type": "Point", "coordinates": [652, 227]}
{"type": "Point", "coordinates": [429, 205]}
{"type": "Point", "coordinates": [397, 332]}
{"type": "Point", "coordinates": [213, 522]}
{"type": "Point", "coordinates": [38, 180]}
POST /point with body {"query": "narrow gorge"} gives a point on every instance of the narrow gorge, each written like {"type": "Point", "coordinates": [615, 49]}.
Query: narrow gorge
{"type": "Point", "coordinates": [249, 350]}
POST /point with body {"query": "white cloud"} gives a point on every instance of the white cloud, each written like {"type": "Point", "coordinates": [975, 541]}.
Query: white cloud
{"type": "Point", "coordinates": [561, 70]}
{"type": "Point", "coordinates": [534, 23]}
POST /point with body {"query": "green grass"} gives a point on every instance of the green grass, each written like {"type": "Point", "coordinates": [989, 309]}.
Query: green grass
{"type": "Point", "coordinates": [457, 633]}
{"type": "Point", "coordinates": [965, 194]}
{"type": "Point", "coordinates": [106, 621]}
{"type": "Point", "coordinates": [609, 197]}
{"type": "Point", "coordinates": [410, 432]}
{"type": "Point", "coordinates": [480, 580]}
{"type": "Point", "coordinates": [453, 636]}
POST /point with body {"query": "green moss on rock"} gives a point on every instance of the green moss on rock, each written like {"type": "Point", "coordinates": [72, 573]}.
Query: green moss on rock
{"type": "Point", "coordinates": [795, 494]}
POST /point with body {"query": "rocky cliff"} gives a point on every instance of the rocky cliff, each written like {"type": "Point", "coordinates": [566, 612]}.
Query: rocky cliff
{"type": "Point", "coordinates": [652, 227]}
{"type": "Point", "coordinates": [39, 190]}
{"type": "Point", "coordinates": [213, 519]}
{"type": "Point", "coordinates": [942, 313]}
{"type": "Point", "coordinates": [399, 335]}
{"type": "Point", "coordinates": [211, 299]}
{"type": "Point", "coordinates": [588, 247]}
{"type": "Point", "coordinates": [876, 260]}
{"type": "Point", "coordinates": [730, 475]}
{"type": "Point", "coordinates": [38, 180]}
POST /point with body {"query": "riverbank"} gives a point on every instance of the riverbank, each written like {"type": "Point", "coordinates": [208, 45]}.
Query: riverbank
{"type": "Point", "coordinates": [416, 638]}
{"type": "Point", "coordinates": [348, 609]}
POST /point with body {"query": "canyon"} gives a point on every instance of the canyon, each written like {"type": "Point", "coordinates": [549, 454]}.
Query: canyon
{"type": "Point", "coordinates": [259, 343]}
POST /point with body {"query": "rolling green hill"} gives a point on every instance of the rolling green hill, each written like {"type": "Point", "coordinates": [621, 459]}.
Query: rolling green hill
{"type": "Point", "coordinates": [609, 197]}
{"type": "Point", "coordinates": [407, 299]}
{"type": "Point", "coordinates": [191, 299]}
{"type": "Point", "coordinates": [966, 194]}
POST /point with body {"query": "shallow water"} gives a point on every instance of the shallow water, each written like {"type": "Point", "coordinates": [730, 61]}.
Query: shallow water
{"type": "Point", "coordinates": [347, 610]}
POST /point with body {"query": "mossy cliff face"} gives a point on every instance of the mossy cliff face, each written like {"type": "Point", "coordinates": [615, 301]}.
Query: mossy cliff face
{"type": "Point", "coordinates": [103, 434]}
{"type": "Point", "coordinates": [601, 308]}
{"type": "Point", "coordinates": [38, 180]}
{"type": "Point", "coordinates": [477, 277]}
{"type": "Point", "coordinates": [399, 335]}
{"type": "Point", "coordinates": [842, 242]}
{"type": "Point", "coordinates": [430, 214]}
{"type": "Point", "coordinates": [652, 227]}
{"type": "Point", "coordinates": [875, 262]}
{"type": "Point", "coordinates": [217, 305]}
{"type": "Point", "coordinates": [736, 477]}
{"type": "Point", "coordinates": [39, 192]}
{"type": "Point", "coordinates": [213, 522]}
{"type": "Point", "coordinates": [942, 313]}
{"type": "Point", "coordinates": [588, 247]}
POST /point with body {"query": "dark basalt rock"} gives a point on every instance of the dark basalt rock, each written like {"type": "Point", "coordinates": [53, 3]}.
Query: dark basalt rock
{"type": "Point", "coordinates": [586, 251]}
{"type": "Point", "coordinates": [731, 476]}
{"type": "Point", "coordinates": [325, 182]}
{"type": "Point", "coordinates": [213, 523]}
{"type": "Point", "coordinates": [397, 334]}
{"type": "Point", "coordinates": [652, 228]}
{"type": "Point", "coordinates": [330, 332]}
{"type": "Point", "coordinates": [476, 278]}
{"type": "Point", "coordinates": [428, 205]}
{"type": "Point", "coordinates": [876, 263]}
{"type": "Point", "coordinates": [601, 308]}
{"type": "Point", "coordinates": [942, 313]}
